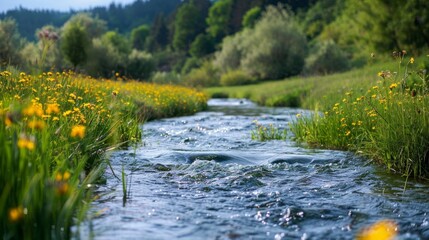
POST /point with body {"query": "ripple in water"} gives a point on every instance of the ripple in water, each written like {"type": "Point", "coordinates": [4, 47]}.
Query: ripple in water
{"type": "Point", "coordinates": [201, 177]}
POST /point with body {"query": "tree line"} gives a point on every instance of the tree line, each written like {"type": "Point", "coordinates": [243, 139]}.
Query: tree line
{"type": "Point", "coordinates": [203, 42]}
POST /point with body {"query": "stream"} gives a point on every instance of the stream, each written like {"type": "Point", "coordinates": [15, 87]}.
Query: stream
{"type": "Point", "coordinates": [202, 177]}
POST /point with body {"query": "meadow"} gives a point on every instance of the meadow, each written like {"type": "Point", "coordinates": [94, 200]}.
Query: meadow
{"type": "Point", "coordinates": [380, 111]}
{"type": "Point", "coordinates": [55, 131]}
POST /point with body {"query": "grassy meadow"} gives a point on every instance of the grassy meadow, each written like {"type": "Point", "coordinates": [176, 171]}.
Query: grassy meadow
{"type": "Point", "coordinates": [380, 111]}
{"type": "Point", "coordinates": [55, 129]}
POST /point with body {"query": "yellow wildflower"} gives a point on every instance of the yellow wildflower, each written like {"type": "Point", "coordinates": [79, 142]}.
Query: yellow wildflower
{"type": "Point", "coordinates": [78, 131]}
{"type": "Point", "coordinates": [25, 142]}
{"type": "Point", "coordinates": [36, 124]}
{"type": "Point", "coordinates": [52, 108]}
{"type": "Point", "coordinates": [393, 85]}
{"type": "Point", "coordinates": [412, 60]}
{"type": "Point", "coordinates": [15, 214]}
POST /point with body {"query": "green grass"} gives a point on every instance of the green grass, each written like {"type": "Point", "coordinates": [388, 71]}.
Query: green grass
{"type": "Point", "coordinates": [303, 92]}
{"type": "Point", "coordinates": [55, 129]}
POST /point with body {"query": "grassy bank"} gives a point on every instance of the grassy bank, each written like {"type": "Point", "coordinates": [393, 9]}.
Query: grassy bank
{"type": "Point", "coordinates": [380, 111]}
{"type": "Point", "coordinates": [54, 131]}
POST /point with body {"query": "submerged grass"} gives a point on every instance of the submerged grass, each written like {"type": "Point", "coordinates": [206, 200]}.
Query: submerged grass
{"type": "Point", "coordinates": [54, 131]}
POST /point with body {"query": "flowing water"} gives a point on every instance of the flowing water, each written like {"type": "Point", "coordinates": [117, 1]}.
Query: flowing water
{"type": "Point", "coordinates": [202, 177]}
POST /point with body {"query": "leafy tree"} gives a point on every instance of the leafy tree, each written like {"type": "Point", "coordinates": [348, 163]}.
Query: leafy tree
{"type": "Point", "coordinates": [281, 55]}
{"type": "Point", "coordinates": [119, 42]}
{"type": "Point", "coordinates": [202, 46]}
{"type": "Point", "coordinates": [75, 44]}
{"type": "Point", "coordinates": [218, 19]}
{"type": "Point", "coordinates": [158, 38]}
{"type": "Point", "coordinates": [10, 43]}
{"type": "Point", "coordinates": [251, 16]}
{"type": "Point", "coordinates": [139, 36]}
{"type": "Point", "coordinates": [188, 23]}
{"type": "Point", "coordinates": [325, 58]}
{"type": "Point", "coordinates": [94, 27]}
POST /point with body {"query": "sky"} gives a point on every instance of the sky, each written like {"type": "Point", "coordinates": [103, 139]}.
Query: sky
{"type": "Point", "coordinates": [60, 5]}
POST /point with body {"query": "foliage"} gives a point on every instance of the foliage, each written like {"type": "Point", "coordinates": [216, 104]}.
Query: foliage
{"type": "Point", "coordinates": [281, 55]}
{"type": "Point", "coordinates": [202, 45]}
{"type": "Point", "coordinates": [166, 78]}
{"type": "Point", "coordinates": [92, 26]}
{"type": "Point", "coordinates": [140, 65]}
{"type": "Point", "coordinates": [235, 77]}
{"type": "Point", "coordinates": [204, 76]}
{"type": "Point", "coordinates": [188, 24]}
{"type": "Point", "coordinates": [74, 44]}
{"type": "Point", "coordinates": [263, 133]}
{"type": "Point", "coordinates": [54, 131]}
{"type": "Point", "coordinates": [325, 58]}
{"type": "Point", "coordinates": [388, 122]}
{"type": "Point", "coordinates": [139, 36]}
{"type": "Point", "coordinates": [218, 19]}
{"type": "Point", "coordinates": [10, 43]}
{"type": "Point", "coordinates": [251, 16]}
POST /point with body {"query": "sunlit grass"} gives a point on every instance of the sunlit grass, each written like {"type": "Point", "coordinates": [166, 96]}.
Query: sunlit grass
{"type": "Point", "coordinates": [54, 131]}
{"type": "Point", "coordinates": [388, 121]}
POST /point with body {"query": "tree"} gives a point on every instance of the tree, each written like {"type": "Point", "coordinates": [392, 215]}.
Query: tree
{"type": "Point", "coordinates": [158, 38]}
{"type": "Point", "coordinates": [75, 44]}
{"type": "Point", "coordinates": [189, 22]}
{"type": "Point", "coordinates": [93, 27]}
{"type": "Point", "coordinates": [139, 36]}
{"type": "Point", "coordinates": [218, 19]}
{"type": "Point", "coordinates": [251, 16]}
{"type": "Point", "coordinates": [10, 43]}
{"type": "Point", "coordinates": [202, 46]}
{"type": "Point", "coordinates": [274, 49]}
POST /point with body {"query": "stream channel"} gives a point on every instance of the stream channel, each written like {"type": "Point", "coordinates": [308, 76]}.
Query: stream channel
{"type": "Point", "coordinates": [202, 177]}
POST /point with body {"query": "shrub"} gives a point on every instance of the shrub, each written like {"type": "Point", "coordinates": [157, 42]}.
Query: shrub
{"type": "Point", "coordinates": [236, 77]}
{"type": "Point", "coordinates": [140, 65]}
{"type": "Point", "coordinates": [326, 57]}
{"type": "Point", "coordinates": [205, 76]}
{"type": "Point", "coordinates": [166, 78]}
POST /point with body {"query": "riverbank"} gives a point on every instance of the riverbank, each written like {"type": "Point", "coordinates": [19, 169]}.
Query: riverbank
{"type": "Point", "coordinates": [54, 132]}
{"type": "Point", "coordinates": [380, 111]}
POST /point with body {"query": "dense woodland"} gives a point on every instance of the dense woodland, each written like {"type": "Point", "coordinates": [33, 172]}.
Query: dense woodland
{"type": "Point", "coordinates": [208, 43]}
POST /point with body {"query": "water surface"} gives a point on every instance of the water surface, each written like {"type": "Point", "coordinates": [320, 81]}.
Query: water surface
{"type": "Point", "coordinates": [202, 177]}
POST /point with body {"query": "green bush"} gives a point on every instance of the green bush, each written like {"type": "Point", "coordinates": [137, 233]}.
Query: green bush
{"type": "Point", "coordinates": [205, 76]}
{"type": "Point", "coordinates": [166, 78]}
{"type": "Point", "coordinates": [325, 58]}
{"type": "Point", "coordinates": [236, 77]}
{"type": "Point", "coordinates": [140, 65]}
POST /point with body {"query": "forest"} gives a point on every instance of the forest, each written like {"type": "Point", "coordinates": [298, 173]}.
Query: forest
{"type": "Point", "coordinates": [210, 43]}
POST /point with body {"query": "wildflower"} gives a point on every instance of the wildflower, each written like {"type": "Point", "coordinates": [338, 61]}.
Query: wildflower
{"type": "Point", "coordinates": [36, 124]}
{"type": "Point", "coordinates": [381, 230]}
{"type": "Point", "coordinates": [78, 131]}
{"type": "Point", "coordinates": [115, 93]}
{"type": "Point", "coordinates": [34, 110]}
{"type": "Point", "coordinates": [15, 214]}
{"type": "Point", "coordinates": [55, 119]}
{"type": "Point", "coordinates": [66, 113]}
{"type": "Point", "coordinates": [298, 115]}
{"type": "Point", "coordinates": [52, 108]}
{"type": "Point", "coordinates": [25, 142]}
{"type": "Point", "coordinates": [348, 133]}
{"type": "Point", "coordinates": [412, 60]}
{"type": "Point", "coordinates": [393, 85]}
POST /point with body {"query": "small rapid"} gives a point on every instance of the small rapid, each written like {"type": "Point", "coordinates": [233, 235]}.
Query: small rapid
{"type": "Point", "coordinates": [202, 177]}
